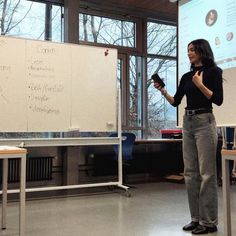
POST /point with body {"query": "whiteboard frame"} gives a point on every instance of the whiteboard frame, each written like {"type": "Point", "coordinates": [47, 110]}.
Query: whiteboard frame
{"type": "Point", "coordinates": [68, 120]}
{"type": "Point", "coordinates": [88, 141]}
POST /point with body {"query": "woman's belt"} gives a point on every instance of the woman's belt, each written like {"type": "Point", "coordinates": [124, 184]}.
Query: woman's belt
{"type": "Point", "coordinates": [197, 111]}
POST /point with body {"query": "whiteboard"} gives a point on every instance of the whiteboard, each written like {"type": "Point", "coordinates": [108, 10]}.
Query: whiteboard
{"type": "Point", "coordinates": [53, 87]}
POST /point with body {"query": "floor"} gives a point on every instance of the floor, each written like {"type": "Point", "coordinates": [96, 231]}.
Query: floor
{"type": "Point", "coordinates": [154, 209]}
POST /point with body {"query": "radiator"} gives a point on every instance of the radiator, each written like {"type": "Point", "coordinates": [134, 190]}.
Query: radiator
{"type": "Point", "coordinates": [37, 169]}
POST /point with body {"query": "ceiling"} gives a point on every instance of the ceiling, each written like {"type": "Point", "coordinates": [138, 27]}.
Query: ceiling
{"type": "Point", "coordinates": [154, 9]}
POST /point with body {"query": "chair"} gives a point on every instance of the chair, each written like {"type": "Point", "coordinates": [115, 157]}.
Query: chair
{"type": "Point", "coordinates": [128, 140]}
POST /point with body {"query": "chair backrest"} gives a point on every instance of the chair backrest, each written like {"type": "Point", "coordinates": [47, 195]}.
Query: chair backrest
{"type": "Point", "coordinates": [128, 140]}
{"type": "Point", "coordinates": [229, 137]}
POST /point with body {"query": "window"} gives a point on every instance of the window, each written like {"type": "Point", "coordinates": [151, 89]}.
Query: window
{"type": "Point", "coordinates": [161, 115]}
{"type": "Point", "coordinates": [57, 21]}
{"type": "Point", "coordinates": [161, 39]}
{"type": "Point", "coordinates": [104, 30]}
{"type": "Point", "coordinates": [161, 48]}
{"type": "Point", "coordinates": [135, 91]}
{"type": "Point", "coordinates": [31, 20]}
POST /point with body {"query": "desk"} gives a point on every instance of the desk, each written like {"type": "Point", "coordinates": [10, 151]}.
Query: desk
{"type": "Point", "coordinates": [7, 152]}
{"type": "Point", "coordinates": [227, 155]}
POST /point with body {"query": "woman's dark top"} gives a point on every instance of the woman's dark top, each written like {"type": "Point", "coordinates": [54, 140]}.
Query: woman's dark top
{"type": "Point", "coordinates": [212, 79]}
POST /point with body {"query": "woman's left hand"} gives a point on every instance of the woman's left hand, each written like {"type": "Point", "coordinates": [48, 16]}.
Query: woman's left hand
{"type": "Point", "coordinates": [197, 79]}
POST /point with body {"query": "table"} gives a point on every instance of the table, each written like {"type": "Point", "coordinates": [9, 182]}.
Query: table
{"type": "Point", "coordinates": [7, 152]}
{"type": "Point", "coordinates": [227, 155]}
{"type": "Point", "coordinates": [71, 142]}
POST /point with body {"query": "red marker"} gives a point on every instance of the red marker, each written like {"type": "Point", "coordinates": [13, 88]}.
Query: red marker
{"type": "Point", "coordinates": [106, 52]}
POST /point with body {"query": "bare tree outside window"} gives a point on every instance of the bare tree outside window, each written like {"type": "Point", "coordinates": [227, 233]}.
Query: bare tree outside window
{"type": "Point", "coordinates": [105, 30]}
{"type": "Point", "coordinates": [161, 115]}
{"type": "Point", "coordinates": [22, 18]}
{"type": "Point", "coordinates": [135, 90]}
{"type": "Point", "coordinates": [161, 40]}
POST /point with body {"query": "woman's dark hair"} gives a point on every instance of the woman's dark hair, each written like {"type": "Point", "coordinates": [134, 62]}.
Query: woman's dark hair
{"type": "Point", "coordinates": [203, 48]}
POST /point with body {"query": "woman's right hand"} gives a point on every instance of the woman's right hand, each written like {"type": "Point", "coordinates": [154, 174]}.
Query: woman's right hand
{"type": "Point", "coordinates": [157, 86]}
{"type": "Point", "coordinates": [162, 90]}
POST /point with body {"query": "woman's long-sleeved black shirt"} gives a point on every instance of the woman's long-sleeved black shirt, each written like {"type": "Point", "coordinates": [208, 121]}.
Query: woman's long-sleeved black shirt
{"type": "Point", "coordinates": [212, 79]}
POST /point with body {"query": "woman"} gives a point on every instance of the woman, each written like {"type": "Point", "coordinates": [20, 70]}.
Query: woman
{"type": "Point", "coordinates": [202, 87]}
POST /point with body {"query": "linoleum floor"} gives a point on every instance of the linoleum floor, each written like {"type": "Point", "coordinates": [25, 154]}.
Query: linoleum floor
{"type": "Point", "coordinates": [154, 209]}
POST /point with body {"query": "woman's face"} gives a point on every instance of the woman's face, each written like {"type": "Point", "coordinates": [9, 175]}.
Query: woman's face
{"type": "Point", "coordinates": [193, 56]}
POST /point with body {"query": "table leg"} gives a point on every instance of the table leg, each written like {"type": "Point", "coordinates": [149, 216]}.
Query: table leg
{"type": "Point", "coordinates": [4, 192]}
{"type": "Point", "coordinates": [22, 195]}
{"type": "Point", "coordinates": [226, 196]}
